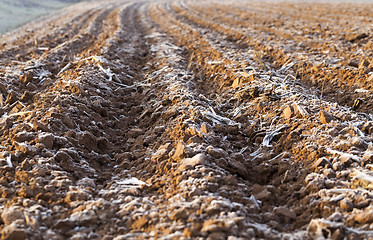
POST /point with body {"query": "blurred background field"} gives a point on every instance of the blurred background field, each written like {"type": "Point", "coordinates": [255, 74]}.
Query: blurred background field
{"type": "Point", "coordinates": [14, 13]}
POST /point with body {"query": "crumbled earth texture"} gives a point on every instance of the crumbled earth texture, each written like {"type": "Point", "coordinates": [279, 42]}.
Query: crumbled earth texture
{"type": "Point", "coordinates": [189, 120]}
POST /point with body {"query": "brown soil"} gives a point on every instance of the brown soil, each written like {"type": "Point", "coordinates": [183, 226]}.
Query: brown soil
{"type": "Point", "coordinates": [189, 120]}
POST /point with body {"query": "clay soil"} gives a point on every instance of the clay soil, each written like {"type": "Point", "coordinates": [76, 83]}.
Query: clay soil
{"type": "Point", "coordinates": [189, 120]}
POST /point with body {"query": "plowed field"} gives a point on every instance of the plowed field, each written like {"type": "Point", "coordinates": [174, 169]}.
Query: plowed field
{"type": "Point", "coordinates": [189, 120]}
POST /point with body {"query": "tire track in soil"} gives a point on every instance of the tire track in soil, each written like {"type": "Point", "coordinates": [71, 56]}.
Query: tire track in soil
{"type": "Point", "coordinates": [190, 33]}
{"type": "Point", "coordinates": [152, 98]}
{"type": "Point", "coordinates": [71, 107]}
{"type": "Point", "coordinates": [265, 179]}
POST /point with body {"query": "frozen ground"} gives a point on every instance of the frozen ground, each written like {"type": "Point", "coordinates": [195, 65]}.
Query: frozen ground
{"type": "Point", "coordinates": [14, 13]}
{"type": "Point", "coordinates": [188, 119]}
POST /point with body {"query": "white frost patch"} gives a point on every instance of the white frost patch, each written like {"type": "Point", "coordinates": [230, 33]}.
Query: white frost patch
{"type": "Point", "coordinates": [216, 118]}
{"type": "Point", "coordinates": [361, 90]}
{"type": "Point", "coordinates": [131, 182]}
{"type": "Point", "coordinates": [344, 155]}
{"type": "Point", "coordinates": [9, 160]}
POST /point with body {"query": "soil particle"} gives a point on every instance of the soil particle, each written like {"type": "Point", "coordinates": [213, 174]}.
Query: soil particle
{"type": "Point", "coordinates": [198, 159]}
{"type": "Point", "coordinates": [283, 211]}
{"type": "Point", "coordinates": [64, 225]}
{"type": "Point", "coordinates": [3, 89]}
{"type": "Point", "coordinates": [11, 98]}
{"type": "Point", "coordinates": [12, 214]}
{"type": "Point", "coordinates": [13, 232]}
{"type": "Point", "coordinates": [36, 125]}
{"type": "Point", "coordinates": [26, 78]}
{"type": "Point", "coordinates": [46, 139]}
{"type": "Point", "coordinates": [325, 117]}
{"type": "Point", "coordinates": [181, 151]}
{"type": "Point", "coordinates": [178, 214]}
{"type": "Point", "coordinates": [84, 217]}
{"type": "Point", "coordinates": [364, 217]}
{"type": "Point", "coordinates": [139, 222]}
{"type": "Point", "coordinates": [88, 140]}
{"type": "Point", "coordinates": [288, 112]}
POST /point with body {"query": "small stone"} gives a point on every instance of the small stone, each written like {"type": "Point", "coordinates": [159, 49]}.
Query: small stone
{"type": "Point", "coordinates": [3, 89]}
{"type": "Point", "coordinates": [11, 98]}
{"type": "Point", "coordinates": [26, 78]}
{"type": "Point", "coordinates": [238, 168]}
{"type": "Point", "coordinates": [346, 204]}
{"type": "Point", "coordinates": [12, 214]}
{"type": "Point", "coordinates": [26, 97]}
{"type": "Point", "coordinates": [286, 212]}
{"type": "Point", "coordinates": [194, 139]}
{"type": "Point", "coordinates": [336, 217]}
{"type": "Point", "coordinates": [325, 117]}
{"type": "Point", "coordinates": [216, 152]}
{"type": "Point", "coordinates": [77, 195]}
{"type": "Point", "coordinates": [329, 183]}
{"type": "Point", "coordinates": [135, 132]}
{"type": "Point", "coordinates": [40, 126]}
{"type": "Point", "coordinates": [364, 217]}
{"type": "Point", "coordinates": [86, 182]}
{"type": "Point", "coordinates": [79, 236]}
{"type": "Point", "coordinates": [233, 129]}
{"type": "Point", "coordinates": [25, 148]}
{"type": "Point", "coordinates": [217, 236]}
{"type": "Point", "coordinates": [140, 222]}
{"type": "Point", "coordinates": [345, 158]}
{"type": "Point", "coordinates": [62, 156]}
{"type": "Point", "coordinates": [64, 225]}
{"type": "Point", "coordinates": [263, 195]}
{"type": "Point", "coordinates": [102, 143]}
{"type": "Point", "coordinates": [170, 113]}
{"type": "Point", "coordinates": [217, 206]}
{"type": "Point", "coordinates": [236, 82]}
{"type": "Point", "coordinates": [85, 218]}
{"type": "Point", "coordinates": [178, 214]}
{"type": "Point", "coordinates": [25, 192]}
{"type": "Point", "coordinates": [68, 121]}
{"type": "Point", "coordinates": [212, 225]}
{"type": "Point", "coordinates": [198, 159]}
{"type": "Point", "coordinates": [353, 63]}
{"type": "Point", "coordinates": [161, 154]}
{"type": "Point", "coordinates": [88, 140]}
{"type": "Point", "coordinates": [13, 232]}
{"type": "Point", "coordinates": [46, 139]}
{"type": "Point", "coordinates": [180, 151]}
{"type": "Point", "coordinates": [23, 137]}
{"type": "Point", "coordinates": [288, 112]}
{"type": "Point", "coordinates": [167, 146]}
{"type": "Point", "coordinates": [230, 180]}
{"type": "Point", "coordinates": [204, 128]}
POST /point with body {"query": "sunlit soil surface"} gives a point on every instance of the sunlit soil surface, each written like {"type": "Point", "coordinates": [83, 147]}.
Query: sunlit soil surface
{"type": "Point", "coordinates": [188, 120]}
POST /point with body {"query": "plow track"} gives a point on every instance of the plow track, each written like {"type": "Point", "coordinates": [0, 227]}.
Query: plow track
{"type": "Point", "coordinates": [188, 120]}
